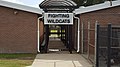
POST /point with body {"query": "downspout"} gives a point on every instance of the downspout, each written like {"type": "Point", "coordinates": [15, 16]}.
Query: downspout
{"type": "Point", "coordinates": [38, 34]}
{"type": "Point", "coordinates": [78, 40]}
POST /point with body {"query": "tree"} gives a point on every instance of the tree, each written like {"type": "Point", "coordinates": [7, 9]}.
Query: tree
{"type": "Point", "coordinates": [79, 2]}
{"type": "Point", "coordinates": [89, 2]}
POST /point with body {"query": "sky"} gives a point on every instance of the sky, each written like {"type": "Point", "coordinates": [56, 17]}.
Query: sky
{"type": "Point", "coordinates": [33, 3]}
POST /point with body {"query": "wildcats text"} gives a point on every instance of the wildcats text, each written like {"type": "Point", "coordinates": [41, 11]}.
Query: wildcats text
{"type": "Point", "coordinates": [58, 18]}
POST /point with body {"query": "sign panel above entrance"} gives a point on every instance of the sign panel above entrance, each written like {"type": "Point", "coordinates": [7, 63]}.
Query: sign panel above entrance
{"type": "Point", "coordinates": [58, 18]}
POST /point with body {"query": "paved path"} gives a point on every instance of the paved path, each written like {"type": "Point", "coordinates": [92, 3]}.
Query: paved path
{"type": "Point", "coordinates": [60, 60]}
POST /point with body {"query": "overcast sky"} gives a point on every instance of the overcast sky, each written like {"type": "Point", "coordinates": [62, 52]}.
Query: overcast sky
{"type": "Point", "coordinates": [33, 3]}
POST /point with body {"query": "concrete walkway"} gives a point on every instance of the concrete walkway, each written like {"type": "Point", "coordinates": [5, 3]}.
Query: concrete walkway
{"type": "Point", "coordinates": [60, 60]}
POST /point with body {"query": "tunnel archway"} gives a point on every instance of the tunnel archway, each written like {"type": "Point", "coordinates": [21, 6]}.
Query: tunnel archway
{"type": "Point", "coordinates": [60, 23]}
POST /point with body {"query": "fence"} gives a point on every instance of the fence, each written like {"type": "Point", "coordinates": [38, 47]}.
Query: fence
{"type": "Point", "coordinates": [88, 32]}
{"type": "Point", "coordinates": [108, 46]}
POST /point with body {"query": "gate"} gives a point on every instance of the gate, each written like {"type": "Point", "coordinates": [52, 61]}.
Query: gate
{"type": "Point", "coordinates": [108, 46]}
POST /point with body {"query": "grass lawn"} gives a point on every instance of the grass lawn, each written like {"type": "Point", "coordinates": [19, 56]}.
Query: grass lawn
{"type": "Point", "coordinates": [16, 60]}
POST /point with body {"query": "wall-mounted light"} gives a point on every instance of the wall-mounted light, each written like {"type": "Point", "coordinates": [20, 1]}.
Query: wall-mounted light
{"type": "Point", "coordinates": [15, 12]}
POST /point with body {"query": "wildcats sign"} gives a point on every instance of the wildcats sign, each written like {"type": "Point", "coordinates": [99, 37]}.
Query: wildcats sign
{"type": "Point", "coordinates": [58, 18]}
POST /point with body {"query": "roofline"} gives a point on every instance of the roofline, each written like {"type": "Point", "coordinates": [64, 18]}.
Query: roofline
{"type": "Point", "coordinates": [105, 5]}
{"type": "Point", "coordinates": [21, 7]}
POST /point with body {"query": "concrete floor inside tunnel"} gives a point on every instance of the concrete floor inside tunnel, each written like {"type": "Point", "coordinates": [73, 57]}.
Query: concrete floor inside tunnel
{"type": "Point", "coordinates": [58, 40]}
{"type": "Point", "coordinates": [56, 46]}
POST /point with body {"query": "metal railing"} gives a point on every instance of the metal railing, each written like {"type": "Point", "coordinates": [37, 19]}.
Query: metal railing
{"type": "Point", "coordinates": [108, 46]}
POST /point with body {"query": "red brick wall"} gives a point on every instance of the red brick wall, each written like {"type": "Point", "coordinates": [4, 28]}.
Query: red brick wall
{"type": "Point", "coordinates": [105, 16]}
{"type": "Point", "coordinates": [18, 32]}
{"type": "Point", "coordinates": [41, 32]}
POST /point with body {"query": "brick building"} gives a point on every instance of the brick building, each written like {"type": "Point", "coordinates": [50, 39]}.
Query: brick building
{"type": "Point", "coordinates": [103, 14]}
{"type": "Point", "coordinates": [18, 28]}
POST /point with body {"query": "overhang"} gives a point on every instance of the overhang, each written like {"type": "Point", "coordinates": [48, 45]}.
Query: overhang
{"type": "Point", "coordinates": [101, 6]}
{"type": "Point", "coordinates": [58, 5]}
{"type": "Point", "coordinates": [21, 7]}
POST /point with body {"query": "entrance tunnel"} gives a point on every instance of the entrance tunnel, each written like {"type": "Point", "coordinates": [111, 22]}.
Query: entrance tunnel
{"type": "Point", "coordinates": [57, 39]}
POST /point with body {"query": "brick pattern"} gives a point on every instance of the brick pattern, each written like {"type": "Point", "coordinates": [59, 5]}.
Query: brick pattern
{"type": "Point", "coordinates": [41, 32]}
{"type": "Point", "coordinates": [105, 16]}
{"type": "Point", "coordinates": [18, 31]}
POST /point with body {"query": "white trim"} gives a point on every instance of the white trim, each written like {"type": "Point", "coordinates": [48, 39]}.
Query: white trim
{"type": "Point", "coordinates": [20, 7]}
{"type": "Point", "coordinates": [38, 34]}
{"type": "Point", "coordinates": [78, 40]}
{"type": "Point", "coordinates": [105, 5]}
